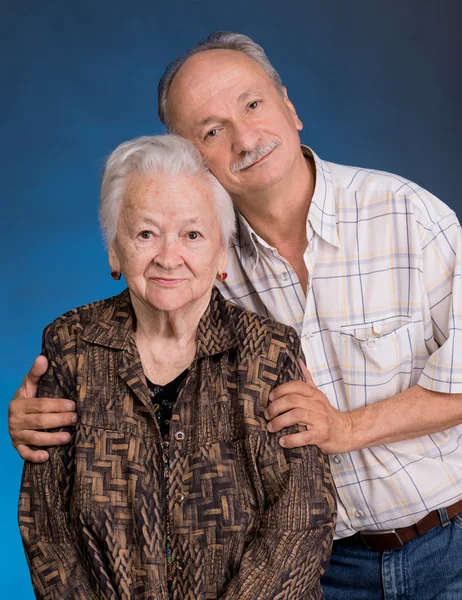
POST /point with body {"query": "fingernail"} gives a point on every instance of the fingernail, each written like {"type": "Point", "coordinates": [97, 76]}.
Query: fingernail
{"type": "Point", "coordinates": [282, 442]}
{"type": "Point", "coordinates": [270, 427]}
{"type": "Point", "coordinates": [271, 396]}
{"type": "Point", "coordinates": [65, 437]}
{"type": "Point", "coordinates": [74, 418]}
{"type": "Point", "coordinates": [265, 414]}
{"type": "Point", "coordinates": [70, 406]}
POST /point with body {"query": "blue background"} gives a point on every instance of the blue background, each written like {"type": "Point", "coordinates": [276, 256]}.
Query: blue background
{"type": "Point", "coordinates": [376, 84]}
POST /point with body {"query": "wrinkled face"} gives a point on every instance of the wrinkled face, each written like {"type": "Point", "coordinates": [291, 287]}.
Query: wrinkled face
{"type": "Point", "coordinates": [226, 104]}
{"type": "Point", "coordinates": [168, 242]}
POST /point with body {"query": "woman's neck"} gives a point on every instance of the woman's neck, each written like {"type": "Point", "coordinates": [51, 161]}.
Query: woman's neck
{"type": "Point", "coordinates": [166, 340]}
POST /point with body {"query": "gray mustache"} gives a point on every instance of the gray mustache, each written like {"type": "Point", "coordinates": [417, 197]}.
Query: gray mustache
{"type": "Point", "coordinates": [255, 155]}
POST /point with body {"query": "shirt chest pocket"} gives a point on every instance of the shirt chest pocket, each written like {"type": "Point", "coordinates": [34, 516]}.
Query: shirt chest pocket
{"type": "Point", "coordinates": [376, 358]}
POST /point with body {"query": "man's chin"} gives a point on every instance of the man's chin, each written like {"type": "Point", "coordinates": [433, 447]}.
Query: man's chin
{"type": "Point", "coordinates": [259, 182]}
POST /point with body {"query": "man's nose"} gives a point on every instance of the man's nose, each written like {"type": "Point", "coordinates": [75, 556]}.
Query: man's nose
{"type": "Point", "coordinates": [245, 137]}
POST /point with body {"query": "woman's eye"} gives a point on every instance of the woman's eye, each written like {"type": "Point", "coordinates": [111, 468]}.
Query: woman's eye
{"type": "Point", "coordinates": [193, 235]}
{"type": "Point", "coordinates": [212, 133]}
{"type": "Point", "coordinates": [145, 235]}
{"type": "Point", "coordinates": [253, 105]}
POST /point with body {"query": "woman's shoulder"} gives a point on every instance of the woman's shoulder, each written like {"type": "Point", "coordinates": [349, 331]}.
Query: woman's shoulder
{"type": "Point", "coordinates": [78, 319]}
{"type": "Point", "coordinates": [260, 332]}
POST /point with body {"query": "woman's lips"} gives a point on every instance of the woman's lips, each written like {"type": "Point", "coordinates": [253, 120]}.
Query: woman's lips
{"type": "Point", "coordinates": [163, 281]}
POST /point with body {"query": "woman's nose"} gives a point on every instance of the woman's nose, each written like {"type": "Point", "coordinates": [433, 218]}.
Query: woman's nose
{"type": "Point", "coordinates": [169, 255]}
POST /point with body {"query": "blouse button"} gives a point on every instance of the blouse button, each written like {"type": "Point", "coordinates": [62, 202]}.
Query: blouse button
{"type": "Point", "coordinates": [179, 436]}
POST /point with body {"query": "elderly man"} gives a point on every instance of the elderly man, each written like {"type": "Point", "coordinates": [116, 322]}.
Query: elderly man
{"type": "Point", "coordinates": [367, 267]}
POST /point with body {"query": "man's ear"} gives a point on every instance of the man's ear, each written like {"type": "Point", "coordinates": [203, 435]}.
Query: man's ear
{"type": "Point", "coordinates": [298, 123]}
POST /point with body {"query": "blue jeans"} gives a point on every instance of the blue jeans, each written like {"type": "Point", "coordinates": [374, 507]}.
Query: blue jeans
{"type": "Point", "coordinates": [428, 567]}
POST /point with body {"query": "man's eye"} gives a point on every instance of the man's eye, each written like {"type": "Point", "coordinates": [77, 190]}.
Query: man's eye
{"type": "Point", "coordinates": [145, 235]}
{"type": "Point", "coordinates": [193, 235]}
{"type": "Point", "coordinates": [253, 105]}
{"type": "Point", "coordinates": [212, 133]}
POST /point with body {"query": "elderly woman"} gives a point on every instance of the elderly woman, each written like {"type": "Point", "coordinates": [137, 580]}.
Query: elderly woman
{"type": "Point", "coordinates": [172, 486]}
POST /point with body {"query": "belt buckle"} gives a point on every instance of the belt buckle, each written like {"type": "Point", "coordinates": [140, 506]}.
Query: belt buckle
{"type": "Point", "coordinates": [390, 537]}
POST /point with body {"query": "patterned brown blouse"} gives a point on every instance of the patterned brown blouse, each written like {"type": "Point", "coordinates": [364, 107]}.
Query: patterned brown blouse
{"type": "Point", "coordinates": [163, 401]}
{"type": "Point", "coordinates": [248, 519]}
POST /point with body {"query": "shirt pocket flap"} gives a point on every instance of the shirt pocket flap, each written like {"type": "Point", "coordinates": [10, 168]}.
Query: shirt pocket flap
{"type": "Point", "coordinates": [376, 329]}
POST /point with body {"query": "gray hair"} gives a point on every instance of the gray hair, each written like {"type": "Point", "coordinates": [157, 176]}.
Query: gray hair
{"type": "Point", "coordinates": [218, 40]}
{"type": "Point", "coordinates": [170, 154]}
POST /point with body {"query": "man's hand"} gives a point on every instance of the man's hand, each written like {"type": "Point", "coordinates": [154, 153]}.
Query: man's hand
{"type": "Point", "coordinates": [27, 414]}
{"type": "Point", "coordinates": [297, 402]}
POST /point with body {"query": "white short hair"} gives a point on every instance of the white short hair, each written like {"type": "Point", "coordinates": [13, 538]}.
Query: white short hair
{"type": "Point", "coordinates": [170, 154]}
{"type": "Point", "coordinates": [218, 40]}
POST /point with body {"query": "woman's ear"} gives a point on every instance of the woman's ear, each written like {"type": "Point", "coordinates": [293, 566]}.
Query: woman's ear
{"type": "Point", "coordinates": [223, 259]}
{"type": "Point", "coordinates": [114, 261]}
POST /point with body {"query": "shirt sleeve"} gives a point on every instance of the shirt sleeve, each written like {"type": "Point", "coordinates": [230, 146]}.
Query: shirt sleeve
{"type": "Point", "coordinates": [442, 274]}
{"type": "Point", "coordinates": [55, 563]}
{"type": "Point", "coordinates": [291, 549]}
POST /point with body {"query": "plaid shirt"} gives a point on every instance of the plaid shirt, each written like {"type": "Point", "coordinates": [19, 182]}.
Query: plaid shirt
{"type": "Point", "coordinates": [383, 312]}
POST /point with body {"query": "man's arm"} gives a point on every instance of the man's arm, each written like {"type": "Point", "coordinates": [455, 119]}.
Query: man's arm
{"type": "Point", "coordinates": [410, 414]}
{"type": "Point", "coordinates": [433, 406]}
{"type": "Point", "coordinates": [27, 415]}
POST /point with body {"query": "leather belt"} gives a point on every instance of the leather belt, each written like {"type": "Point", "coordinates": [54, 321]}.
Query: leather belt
{"type": "Point", "coordinates": [395, 538]}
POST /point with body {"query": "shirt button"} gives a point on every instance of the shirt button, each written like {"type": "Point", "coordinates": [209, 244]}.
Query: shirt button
{"type": "Point", "coordinates": [284, 276]}
{"type": "Point", "coordinates": [337, 459]}
{"type": "Point", "coordinates": [377, 328]}
{"type": "Point", "coordinates": [359, 514]}
{"type": "Point", "coordinates": [179, 498]}
{"type": "Point", "coordinates": [370, 342]}
{"type": "Point", "coordinates": [309, 336]}
{"type": "Point", "coordinates": [179, 435]}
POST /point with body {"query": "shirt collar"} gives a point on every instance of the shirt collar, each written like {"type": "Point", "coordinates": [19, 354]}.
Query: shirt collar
{"type": "Point", "coordinates": [323, 211]}
{"type": "Point", "coordinates": [115, 324]}
{"type": "Point", "coordinates": [322, 215]}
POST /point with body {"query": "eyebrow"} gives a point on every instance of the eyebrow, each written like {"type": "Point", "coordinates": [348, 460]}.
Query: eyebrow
{"type": "Point", "coordinates": [149, 221]}
{"type": "Point", "coordinates": [245, 96]}
{"type": "Point", "coordinates": [190, 221]}
{"type": "Point", "coordinates": [206, 122]}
